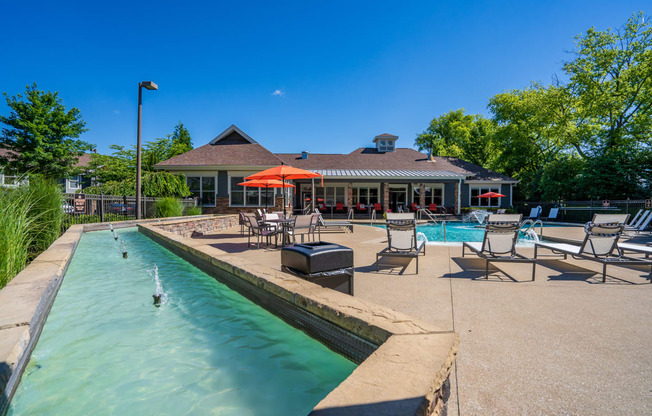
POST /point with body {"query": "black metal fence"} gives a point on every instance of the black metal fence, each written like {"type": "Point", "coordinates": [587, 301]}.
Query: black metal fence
{"type": "Point", "coordinates": [107, 208]}
{"type": "Point", "coordinates": [582, 211]}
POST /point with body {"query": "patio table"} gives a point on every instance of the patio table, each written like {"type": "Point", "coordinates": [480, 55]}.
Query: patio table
{"type": "Point", "coordinates": [284, 225]}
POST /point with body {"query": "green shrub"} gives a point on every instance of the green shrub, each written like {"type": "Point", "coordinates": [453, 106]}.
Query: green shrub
{"type": "Point", "coordinates": [45, 211]}
{"type": "Point", "coordinates": [168, 207]}
{"type": "Point", "coordinates": [15, 241]}
{"type": "Point", "coordinates": [192, 211]}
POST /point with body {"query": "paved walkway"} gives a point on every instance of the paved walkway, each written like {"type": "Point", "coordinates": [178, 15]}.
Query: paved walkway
{"type": "Point", "coordinates": [563, 344]}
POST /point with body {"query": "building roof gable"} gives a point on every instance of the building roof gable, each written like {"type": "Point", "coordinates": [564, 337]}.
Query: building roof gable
{"type": "Point", "coordinates": [233, 135]}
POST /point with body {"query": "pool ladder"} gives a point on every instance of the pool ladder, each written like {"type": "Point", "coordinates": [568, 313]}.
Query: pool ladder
{"type": "Point", "coordinates": [431, 216]}
{"type": "Point", "coordinates": [532, 226]}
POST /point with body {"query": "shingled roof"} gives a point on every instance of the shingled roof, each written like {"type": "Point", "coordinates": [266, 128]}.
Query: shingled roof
{"type": "Point", "coordinates": [233, 147]}
{"type": "Point", "coordinates": [230, 148]}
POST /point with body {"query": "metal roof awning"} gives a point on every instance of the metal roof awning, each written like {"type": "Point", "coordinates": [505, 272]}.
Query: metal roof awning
{"type": "Point", "coordinates": [388, 174]}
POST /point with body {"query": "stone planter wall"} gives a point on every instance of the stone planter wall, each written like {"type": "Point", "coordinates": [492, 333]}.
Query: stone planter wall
{"type": "Point", "coordinates": [186, 227]}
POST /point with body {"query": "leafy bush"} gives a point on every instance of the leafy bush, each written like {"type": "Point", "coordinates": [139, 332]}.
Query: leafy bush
{"type": "Point", "coordinates": [155, 184]}
{"type": "Point", "coordinates": [193, 211]}
{"type": "Point", "coordinates": [168, 207]}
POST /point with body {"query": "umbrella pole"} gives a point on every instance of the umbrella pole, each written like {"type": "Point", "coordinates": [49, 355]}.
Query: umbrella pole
{"type": "Point", "coordinates": [284, 204]}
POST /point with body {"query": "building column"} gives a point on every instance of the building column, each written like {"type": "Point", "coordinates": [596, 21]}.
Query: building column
{"type": "Point", "coordinates": [349, 194]}
{"type": "Point", "coordinates": [422, 195]}
{"type": "Point", "coordinates": [385, 196]}
{"type": "Point", "coordinates": [458, 197]}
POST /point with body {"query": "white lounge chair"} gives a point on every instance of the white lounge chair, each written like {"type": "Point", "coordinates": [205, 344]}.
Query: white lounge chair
{"type": "Point", "coordinates": [636, 248]}
{"type": "Point", "coordinates": [642, 223]}
{"type": "Point", "coordinates": [402, 238]}
{"type": "Point", "coordinates": [535, 212]}
{"type": "Point", "coordinates": [636, 217]}
{"type": "Point", "coordinates": [499, 242]}
{"type": "Point", "coordinates": [600, 244]}
{"type": "Point", "coordinates": [552, 215]}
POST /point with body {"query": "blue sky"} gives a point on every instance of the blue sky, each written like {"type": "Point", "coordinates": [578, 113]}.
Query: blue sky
{"type": "Point", "coordinates": [345, 71]}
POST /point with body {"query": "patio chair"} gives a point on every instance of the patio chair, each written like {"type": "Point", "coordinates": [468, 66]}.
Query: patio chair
{"type": "Point", "coordinates": [402, 238]}
{"type": "Point", "coordinates": [242, 222]}
{"type": "Point", "coordinates": [414, 207]}
{"type": "Point", "coordinates": [378, 207]}
{"type": "Point", "coordinates": [600, 244]}
{"type": "Point", "coordinates": [499, 242]}
{"type": "Point", "coordinates": [432, 208]}
{"type": "Point", "coordinates": [260, 230]}
{"type": "Point", "coordinates": [302, 226]}
{"type": "Point", "coordinates": [272, 224]}
{"type": "Point", "coordinates": [552, 215]}
{"type": "Point", "coordinates": [339, 207]}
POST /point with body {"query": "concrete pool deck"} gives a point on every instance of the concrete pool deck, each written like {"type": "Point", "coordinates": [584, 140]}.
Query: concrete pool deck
{"type": "Point", "coordinates": [563, 344]}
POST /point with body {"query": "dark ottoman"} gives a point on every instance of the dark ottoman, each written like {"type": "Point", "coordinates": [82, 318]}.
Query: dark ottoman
{"type": "Point", "coordinates": [327, 264]}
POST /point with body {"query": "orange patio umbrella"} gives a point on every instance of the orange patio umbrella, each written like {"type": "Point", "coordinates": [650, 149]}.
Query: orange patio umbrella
{"type": "Point", "coordinates": [284, 172]}
{"type": "Point", "coordinates": [267, 183]}
{"type": "Point", "coordinates": [491, 195]}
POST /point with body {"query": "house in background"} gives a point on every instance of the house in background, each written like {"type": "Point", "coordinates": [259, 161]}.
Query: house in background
{"type": "Point", "coordinates": [70, 185]}
{"type": "Point", "coordinates": [383, 173]}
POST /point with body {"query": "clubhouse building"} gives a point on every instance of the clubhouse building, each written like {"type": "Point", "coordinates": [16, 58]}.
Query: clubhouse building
{"type": "Point", "coordinates": [392, 176]}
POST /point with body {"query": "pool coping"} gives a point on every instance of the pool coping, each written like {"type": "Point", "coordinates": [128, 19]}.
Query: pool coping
{"type": "Point", "coordinates": [405, 375]}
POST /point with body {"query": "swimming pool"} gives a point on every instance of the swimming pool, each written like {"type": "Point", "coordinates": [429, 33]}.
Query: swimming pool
{"type": "Point", "coordinates": [106, 349]}
{"type": "Point", "coordinates": [457, 232]}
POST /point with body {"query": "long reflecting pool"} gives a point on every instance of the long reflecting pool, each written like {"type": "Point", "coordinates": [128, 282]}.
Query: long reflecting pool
{"type": "Point", "coordinates": [106, 349]}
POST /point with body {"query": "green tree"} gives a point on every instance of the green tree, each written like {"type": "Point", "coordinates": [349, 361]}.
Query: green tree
{"type": "Point", "coordinates": [42, 134]}
{"type": "Point", "coordinates": [457, 134]}
{"type": "Point", "coordinates": [611, 81]}
{"type": "Point", "coordinates": [181, 141]}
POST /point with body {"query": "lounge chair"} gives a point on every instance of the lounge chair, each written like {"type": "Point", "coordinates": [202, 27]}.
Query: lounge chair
{"type": "Point", "coordinates": [636, 248]}
{"type": "Point", "coordinates": [636, 217]}
{"type": "Point", "coordinates": [402, 238]}
{"type": "Point", "coordinates": [600, 244]}
{"type": "Point", "coordinates": [499, 242]}
{"type": "Point", "coordinates": [642, 223]}
{"type": "Point", "coordinates": [534, 213]}
{"type": "Point", "coordinates": [344, 225]}
{"type": "Point", "coordinates": [552, 215]}
{"type": "Point", "coordinates": [501, 211]}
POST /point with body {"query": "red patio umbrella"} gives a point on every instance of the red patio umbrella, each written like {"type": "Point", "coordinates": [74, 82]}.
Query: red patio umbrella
{"type": "Point", "coordinates": [267, 183]}
{"type": "Point", "coordinates": [491, 195]}
{"type": "Point", "coordinates": [284, 172]}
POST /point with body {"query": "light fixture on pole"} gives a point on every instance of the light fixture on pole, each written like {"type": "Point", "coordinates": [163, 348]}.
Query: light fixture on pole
{"type": "Point", "coordinates": [150, 86]}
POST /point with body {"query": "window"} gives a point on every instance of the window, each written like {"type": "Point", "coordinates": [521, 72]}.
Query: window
{"type": "Point", "coordinates": [434, 195]}
{"type": "Point", "coordinates": [12, 179]}
{"type": "Point", "coordinates": [484, 202]}
{"type": "Point", "coordinates": [74, 182]}
{"type": "Point", "coordinates": [203, 188]}
{"type": "Point", "coordinates": [241, 196]}
{"type": "Point", "coordinates": [365, 195]}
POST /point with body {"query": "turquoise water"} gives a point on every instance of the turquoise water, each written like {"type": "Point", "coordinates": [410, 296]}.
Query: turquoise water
{"type": "Point", "coordinates": [456, 232]}
{"type": "Point", "coordinates": [105, 349]}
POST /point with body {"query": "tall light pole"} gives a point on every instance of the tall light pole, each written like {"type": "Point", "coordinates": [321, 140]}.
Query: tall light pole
{"type": "Point", "coordinates": [150, 86]}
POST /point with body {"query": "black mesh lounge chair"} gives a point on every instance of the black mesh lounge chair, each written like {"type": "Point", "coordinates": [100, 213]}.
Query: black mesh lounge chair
{"type": "Point", "coordinates": [600, 244]}
{"type": "Point", "coordinates": [499, 242]}
{"type": "Point", "coordinates": [402, 238]}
